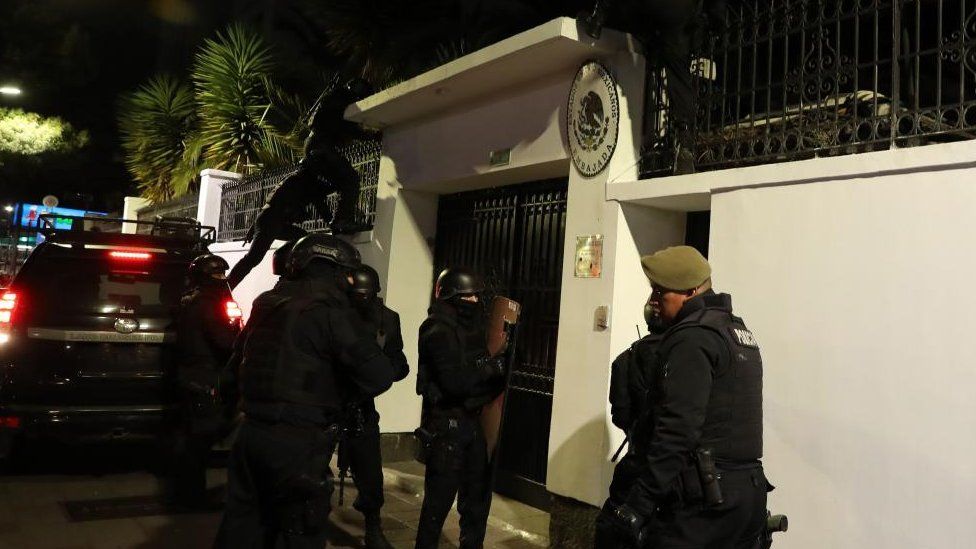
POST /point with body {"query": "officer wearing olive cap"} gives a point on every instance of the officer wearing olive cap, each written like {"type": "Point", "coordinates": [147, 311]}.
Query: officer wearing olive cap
{"type": "Point", "coordinates": [205, 337]}
{"type": "Point", "coordinates": [456, 378]}
{"type": "Point", "coordinates": [360, 446]}
{"type": "Point", "coordinates": [302, 357]}
{"type": "Point", "coordinates": [703, 483]}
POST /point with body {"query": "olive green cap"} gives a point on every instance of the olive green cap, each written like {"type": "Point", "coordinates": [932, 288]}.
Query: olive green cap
{"type": "Point", "coordinates": [677, 268]}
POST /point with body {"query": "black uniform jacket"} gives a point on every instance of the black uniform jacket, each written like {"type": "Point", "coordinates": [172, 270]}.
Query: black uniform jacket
{"type": "Point", "coordinates": [385, 323]}
{"type": "Point", "coordinates": [451, 371]}
{"type": "Point", "coordinates": [205, 335]}
{"type": "Point", "coordinates": [688, 359]}
{"type": "Point", "coordinates": [315, 336]}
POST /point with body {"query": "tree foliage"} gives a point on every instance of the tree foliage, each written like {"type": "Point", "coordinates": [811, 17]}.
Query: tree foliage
{"type": "Point", "coordinates": [30, 134]}
{"type": "Point", "coordinates": [233, 117]}
{"type": "Point", "coordinates": [234, 91]}
{"type": "Point", "coordinates": [158, 124]}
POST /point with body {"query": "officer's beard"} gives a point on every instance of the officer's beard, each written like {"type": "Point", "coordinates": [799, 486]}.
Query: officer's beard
{"type": "Point", "coordinates": [655, 324]}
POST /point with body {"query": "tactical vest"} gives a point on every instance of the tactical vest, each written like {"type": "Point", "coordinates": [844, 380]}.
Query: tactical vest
{"type": "Point", "coordinates": [470, 348]}
{"type": "Point", "coordinates": [733, 420]}
{"type": "Point", "coordinates": [273, 369]}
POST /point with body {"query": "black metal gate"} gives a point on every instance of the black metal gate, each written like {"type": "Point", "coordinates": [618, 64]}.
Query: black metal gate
{"type": "Point", "coordinates": [514, 236]}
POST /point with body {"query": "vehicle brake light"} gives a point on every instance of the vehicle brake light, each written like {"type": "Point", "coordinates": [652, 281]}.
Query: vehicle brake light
{"type": "Point", "coordinates": [234, 313]}
{"type": "Point", "coordinates": [10, 422]}
{"type": "Point", "coordinates": [8, 306]}
{"type": "Point", "coordinates": [130, 256]}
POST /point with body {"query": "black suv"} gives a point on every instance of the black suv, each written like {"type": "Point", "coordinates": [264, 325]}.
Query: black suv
{"type": "Point", "coordinates": [86, 331]}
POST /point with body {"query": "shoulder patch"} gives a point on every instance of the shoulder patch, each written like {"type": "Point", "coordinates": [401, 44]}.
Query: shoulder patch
{"type": "Point", "coordinates": [744, 337]}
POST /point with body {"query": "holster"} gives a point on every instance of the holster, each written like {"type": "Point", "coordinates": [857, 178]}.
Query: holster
{"type": "Point", "coordinates": [425, 440]}
{"type": "Point", "coordinates": [699, 484]}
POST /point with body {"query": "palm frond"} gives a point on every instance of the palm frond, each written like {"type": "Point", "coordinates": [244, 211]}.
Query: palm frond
{"type": "Point", "coordinates": [229, 76]}
{"type": "Point", "coordinates": [155, 122]}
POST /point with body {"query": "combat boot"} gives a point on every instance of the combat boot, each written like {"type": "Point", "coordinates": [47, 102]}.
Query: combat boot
{"type": "Point", "coordinates": [374, 538]}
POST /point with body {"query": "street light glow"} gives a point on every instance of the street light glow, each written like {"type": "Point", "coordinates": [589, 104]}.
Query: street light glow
{"type": "Point", "coordinates": [10, 90]}
{"type": "Point", "coordinates": [8, 208]}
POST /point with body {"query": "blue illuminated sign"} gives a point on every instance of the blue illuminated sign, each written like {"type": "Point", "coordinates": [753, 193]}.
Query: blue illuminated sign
{"type": "Point", "coordinates": [30, 215]}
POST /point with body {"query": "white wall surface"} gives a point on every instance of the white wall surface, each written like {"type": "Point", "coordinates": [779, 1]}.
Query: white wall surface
{"type": "Point", "coordinates": [580, 440]}
{"type": "Point", "coordinates": [450, 153]}
{"type": "Point", "coordinates": [857, 290]}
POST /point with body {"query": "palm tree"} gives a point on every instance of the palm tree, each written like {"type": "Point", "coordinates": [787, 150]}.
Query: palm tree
{"type": "Point", "coordinates": [157, 123]}
{"type": "Point", "coordinates": [237, 101]}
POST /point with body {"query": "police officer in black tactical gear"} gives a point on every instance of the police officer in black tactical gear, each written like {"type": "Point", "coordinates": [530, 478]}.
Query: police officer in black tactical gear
{"type": "Point", "coordinates": [360, 446]}
{"type": "Point", "coordinates": [304, 354]}
{"type": "Point", "coordinates": [702, 484]}
{"type": "Point", "coordinates": [321, 172]}
{"type": "Point", "coordinates": [632, 396]}
{"type": "Point", "coordinates": [669, 30]}
{"type": "Point", "coordinates": [456, 378]}
{"type": "Point", "coordinates": [207, 325]}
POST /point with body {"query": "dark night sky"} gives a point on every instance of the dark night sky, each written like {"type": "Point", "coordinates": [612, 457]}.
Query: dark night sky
{"type": "Point", "coordinates": [73, 58]}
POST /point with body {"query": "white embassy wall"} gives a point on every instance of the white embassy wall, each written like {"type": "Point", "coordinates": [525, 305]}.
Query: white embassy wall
{"type": "Point", "coordinates": [853, 274]}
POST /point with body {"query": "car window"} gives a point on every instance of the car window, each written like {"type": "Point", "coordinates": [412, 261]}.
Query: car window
{"type": "Point", "coordinates": [98, 285]}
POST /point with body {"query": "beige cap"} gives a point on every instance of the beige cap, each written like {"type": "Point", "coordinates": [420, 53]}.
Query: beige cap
{"type": "Point", "coordinates": [677, 268]}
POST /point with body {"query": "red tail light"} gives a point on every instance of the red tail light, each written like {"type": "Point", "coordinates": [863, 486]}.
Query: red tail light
{"type": "Point", "coordinates": [234, 313]}
{"type": "Point", "coordinates": [8, 310]}
{"type": "Point", "coordinates": [9, 422]}
{"type": "Point", "coordinates": [122, 255]}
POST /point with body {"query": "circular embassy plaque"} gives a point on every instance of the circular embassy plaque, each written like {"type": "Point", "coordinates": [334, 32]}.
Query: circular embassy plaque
{"type": "Point", "coordinates": [593, 118]}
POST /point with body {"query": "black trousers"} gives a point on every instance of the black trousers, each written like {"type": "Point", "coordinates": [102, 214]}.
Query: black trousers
{"type": "Point", "coordinates": [268, 227]}
{"type": "Point", "coordinates": [457, 465]}
{"type": "Point", "coordinates": [202, 426]}
{"type": "Point", "coordinates": [279, 488]}
{"type": "Point", "coordinates": [276, 221]}
{"type": "Point", "coordinates": [366, 463]}
{"type": "Point", "coordinates": [625, 474]}
{"type": "Point", "coordinates": [191, 453]}
{"type": "Point", "coordinates": [324, 162]}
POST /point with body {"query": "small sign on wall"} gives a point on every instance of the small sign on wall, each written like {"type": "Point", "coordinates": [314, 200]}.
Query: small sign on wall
{"type": "Point", "coordinates": [589, 256]}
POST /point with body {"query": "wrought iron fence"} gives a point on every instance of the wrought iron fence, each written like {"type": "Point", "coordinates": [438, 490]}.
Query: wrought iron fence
{"type": "Point", "coordinates": [789, 79]}
{"type": "Point", "coordinates": [241, 200]}
{"type": "Point", "coordinates": [182, 206]}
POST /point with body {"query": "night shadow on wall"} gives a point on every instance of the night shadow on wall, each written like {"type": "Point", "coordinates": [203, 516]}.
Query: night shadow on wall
{"type": "Point", "coordinates": [571, 523]}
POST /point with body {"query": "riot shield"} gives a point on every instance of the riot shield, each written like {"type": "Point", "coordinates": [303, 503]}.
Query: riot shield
{"type": "Point", "coordinates": [501, 339]}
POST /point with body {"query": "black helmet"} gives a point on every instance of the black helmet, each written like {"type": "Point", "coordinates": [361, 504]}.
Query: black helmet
{"type": "Point", "coordinates": [204, 267]}
{"type": "Point", "coordinates": [455, 281]}
{"type": "Point", "coordinates": [279, 257]}
{"type": "Point", "coordinates": [321, 246]}
{"type": "Point", "coordinates": [365, 280]}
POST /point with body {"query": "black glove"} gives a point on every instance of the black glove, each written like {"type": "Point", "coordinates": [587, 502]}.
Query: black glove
{"type": "Point", "coordinates": [630, 525]}
{"type": "Point", "coordinates": [493, 366]}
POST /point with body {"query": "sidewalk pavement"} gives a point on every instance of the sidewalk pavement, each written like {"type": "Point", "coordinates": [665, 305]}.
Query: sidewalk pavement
{"type": "Point", "coordinates": [512, 525]}
{"type": "Point", "coordinates": [124, 510]}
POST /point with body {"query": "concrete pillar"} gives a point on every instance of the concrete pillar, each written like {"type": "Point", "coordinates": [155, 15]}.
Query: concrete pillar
{"type": "Point", "coordinates": [401, 251]}
{"type": "Point", "coordinates": [130, 209]}
{"type": "Point", "coordinates": [581, 438]}
{"type": "Point", "coordinates": [211, 190]}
